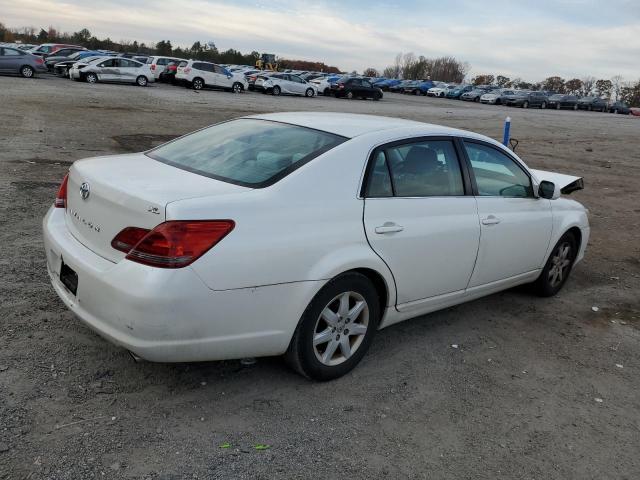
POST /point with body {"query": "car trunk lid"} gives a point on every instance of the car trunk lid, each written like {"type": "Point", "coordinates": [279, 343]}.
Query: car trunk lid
{"type": "Point", "coordinates": [108, 194]}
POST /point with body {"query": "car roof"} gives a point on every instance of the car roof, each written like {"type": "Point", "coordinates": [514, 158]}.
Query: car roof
{"type": "Point", "coordinates": [353, 125]}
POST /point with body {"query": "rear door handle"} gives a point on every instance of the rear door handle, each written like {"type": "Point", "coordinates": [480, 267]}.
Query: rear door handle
{"type": "Point", "coordinates": [389, 227]}
{"type": "Point", "coordinates": [491, 220]}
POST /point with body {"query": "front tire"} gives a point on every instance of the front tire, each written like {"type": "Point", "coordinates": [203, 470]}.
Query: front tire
{"type": "Point", "coordinates": [142, 81]}
{"type": "Point", "coordinates": [237, 88]}
{"type": "Point", "coordinates": [276, 91]}
{"type": "Point", "coordinates": [558, 267]}
{"type": "Point", "coordinates": [525, 105]}
{"type": "Point", "coordinates": [91, 78]}
{"type": "Point", "coordinates": [309, 92]}
{"type": "Point", "coordinates": [543, 105]}
{"type": "Point", "coordinates": [336, 329]}
{"type": "Point", "coordinates": [349, 95]}
{"type": "Point", "coordinates": [27, 72]}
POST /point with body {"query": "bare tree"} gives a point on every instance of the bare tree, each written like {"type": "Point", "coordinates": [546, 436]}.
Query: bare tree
{"type": "Point", "coordinates": [616, 83]}
{"type": "Point", "coordinates": [587, 86]}
{"type": "Point", "coordinates": [370, 72]}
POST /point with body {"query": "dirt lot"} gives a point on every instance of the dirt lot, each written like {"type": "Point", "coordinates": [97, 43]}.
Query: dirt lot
{"type": "Point", "coordinates": [538, 388]}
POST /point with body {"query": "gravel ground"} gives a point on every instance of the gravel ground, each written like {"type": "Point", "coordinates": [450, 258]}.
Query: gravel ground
{"type": "Point", "coordinates": [537, 388]}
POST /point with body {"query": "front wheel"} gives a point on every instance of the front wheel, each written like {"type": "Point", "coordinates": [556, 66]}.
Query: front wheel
{"type": "Point", "coordinates": [543, 105]}
{"type": "Point", "coordinates": [276, 90]}
{"type": "Point", "coordinates": [575, 107]}
{"type": "Point", "coordinates": [336, 329]}
{"type": "Point", "coordinates": [309, 92]}
{"type": "Point", "coordinates": [558, 266]}
{"type": "Point", "coordinates": [557, 106]}
{"type": "Point", "coordinates": [349, 95]}
{"type": "Point", "coordinates": [142, 81]}
{"type": "Point", "coordinates": [91, 78]}
{"type": "Point", "coordinates": [27, 71]}
{"type": "Point", "coordinates": [525, 105]}
{"type": "Point", "coordinates": [237, 87]}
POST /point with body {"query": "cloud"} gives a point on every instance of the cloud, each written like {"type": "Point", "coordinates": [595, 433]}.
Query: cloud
{"type": "Point", "coordinates": [499, 38]}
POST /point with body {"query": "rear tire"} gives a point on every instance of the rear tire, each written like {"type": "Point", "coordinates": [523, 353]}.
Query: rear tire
{"type": "Point", "coordinates": [276, 91]}
{"type": "Point", "coordinates": [543, 105]}
{"type": "Point", "coordinates": [91, 78]}
{"type": "Point", "coordinates": [575, 107]}
{"type": "Point", "coordinates": [309, 92]}
{"type": "Point", "coordinates": [198, 83]}
{"type": "Point", "coordinates": [349, 95]}
{"type": "Point", "coordinates": [237, 88]}
{"type": "Point", "coordinates": [336, 329]}
{"type": "Point", "coordinates": [557, 106]}
{"type": "Point", "coordinates": [558, 267]}
{"type": "Point", "coordinates": [27, 72]}
{"type": "Point", "coordinates": [525, 105]}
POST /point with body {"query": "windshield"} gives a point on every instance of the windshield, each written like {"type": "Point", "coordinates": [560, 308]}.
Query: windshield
{"type": "Point", "coordinates": [249, 152]}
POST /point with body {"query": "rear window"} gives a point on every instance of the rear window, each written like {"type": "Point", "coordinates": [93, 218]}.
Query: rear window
{"type": "Point", "coordinates": [248, 152]}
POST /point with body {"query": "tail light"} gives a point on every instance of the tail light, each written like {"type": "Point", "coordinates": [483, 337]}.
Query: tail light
{"type": "Point", "coordinates": [341, 85]}
{"type": "Point", "coordinates": [153, 66]}
{"type": "Point", "coordinates": [128, 238]}
{"type": "Point", "coordinates": [172, 244]}
{"type": "Point", "coordinates": [186, 69]}
{"type": "Point", "coordinates": [61, 197]}
{"type": "Point", "coordinates": [39, 60]}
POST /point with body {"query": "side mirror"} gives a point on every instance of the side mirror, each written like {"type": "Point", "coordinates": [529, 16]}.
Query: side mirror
{"type": "Point", "coordinates": [548, 190]}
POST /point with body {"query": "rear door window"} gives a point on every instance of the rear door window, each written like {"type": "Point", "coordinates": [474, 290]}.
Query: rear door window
{"type": "Point", "coordinates": [417, 169]}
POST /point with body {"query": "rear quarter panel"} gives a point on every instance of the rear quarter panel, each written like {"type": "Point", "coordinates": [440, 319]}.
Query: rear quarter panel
{"type": "Point", "coordinates": [307, 226]}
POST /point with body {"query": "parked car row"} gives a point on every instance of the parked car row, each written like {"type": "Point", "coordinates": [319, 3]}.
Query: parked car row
{"type": "Point", "coordinates": [92, 66]}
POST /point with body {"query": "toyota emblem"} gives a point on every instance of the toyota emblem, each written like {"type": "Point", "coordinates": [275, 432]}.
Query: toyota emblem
{"type": "Point", "coordinates": [85, 190]}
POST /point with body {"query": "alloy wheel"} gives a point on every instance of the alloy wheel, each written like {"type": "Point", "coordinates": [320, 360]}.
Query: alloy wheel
{"type": "Point", "coordinates": [340, 328]}
{"type": "Point", "coordinates": [237, 88]}
{"type": "Point", "coordinates": [198, 84]}
{"type": "Point", "coordinates": [26, 72]}
{"type": "Point", "coordinates": [560, 264]}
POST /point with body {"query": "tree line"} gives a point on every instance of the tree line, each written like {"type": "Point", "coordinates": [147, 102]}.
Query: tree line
{"type": "Point", "coordinates": [198, 51]}
{"type": "Point", "coordinates": [448, 69]}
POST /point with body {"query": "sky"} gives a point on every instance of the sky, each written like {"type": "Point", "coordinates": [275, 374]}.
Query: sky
{"type": "Point", "coordinates": [516, 38]}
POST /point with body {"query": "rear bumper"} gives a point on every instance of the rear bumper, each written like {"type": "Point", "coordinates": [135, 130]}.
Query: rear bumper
{"type": "Point", "coordinates": [170, 315]}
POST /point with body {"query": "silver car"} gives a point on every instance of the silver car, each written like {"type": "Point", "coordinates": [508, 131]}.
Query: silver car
{"type": "Point", "coordinates": [14, 60]}
{"type": "Point", "coordinates": [117, 69]}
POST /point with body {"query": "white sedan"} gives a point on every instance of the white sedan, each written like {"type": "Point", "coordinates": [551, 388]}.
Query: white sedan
{"type": "Point", "coordinates": [302, 234]}
{"type": "Point", "coordinates": [286, 83]}
{"type": "Point", "coordinates": [117, 70]}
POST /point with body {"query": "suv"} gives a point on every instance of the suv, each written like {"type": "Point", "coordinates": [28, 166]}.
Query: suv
{"type": "Point", "coordinates": [355, 88]}
{"type": "Point", "coordinates": [199, 75]}
{"type": "Point", "coordinates": [528, 99]}
{"type": "Point", "coordinates": [159, 64]}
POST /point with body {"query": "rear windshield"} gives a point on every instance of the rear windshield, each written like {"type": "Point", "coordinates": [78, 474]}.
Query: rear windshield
{"type": "Point", "coordinates": [249, 152]}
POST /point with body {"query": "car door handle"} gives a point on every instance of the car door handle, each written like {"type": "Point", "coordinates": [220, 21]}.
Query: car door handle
{"type": "Point", "coordinates": [389, 227]}
{"type": "Point", "coordinates": [491, 220]}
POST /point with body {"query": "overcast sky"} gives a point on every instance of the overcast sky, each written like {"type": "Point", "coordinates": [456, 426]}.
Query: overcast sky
{"type": "Point", "coordinates": [529, 39]}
